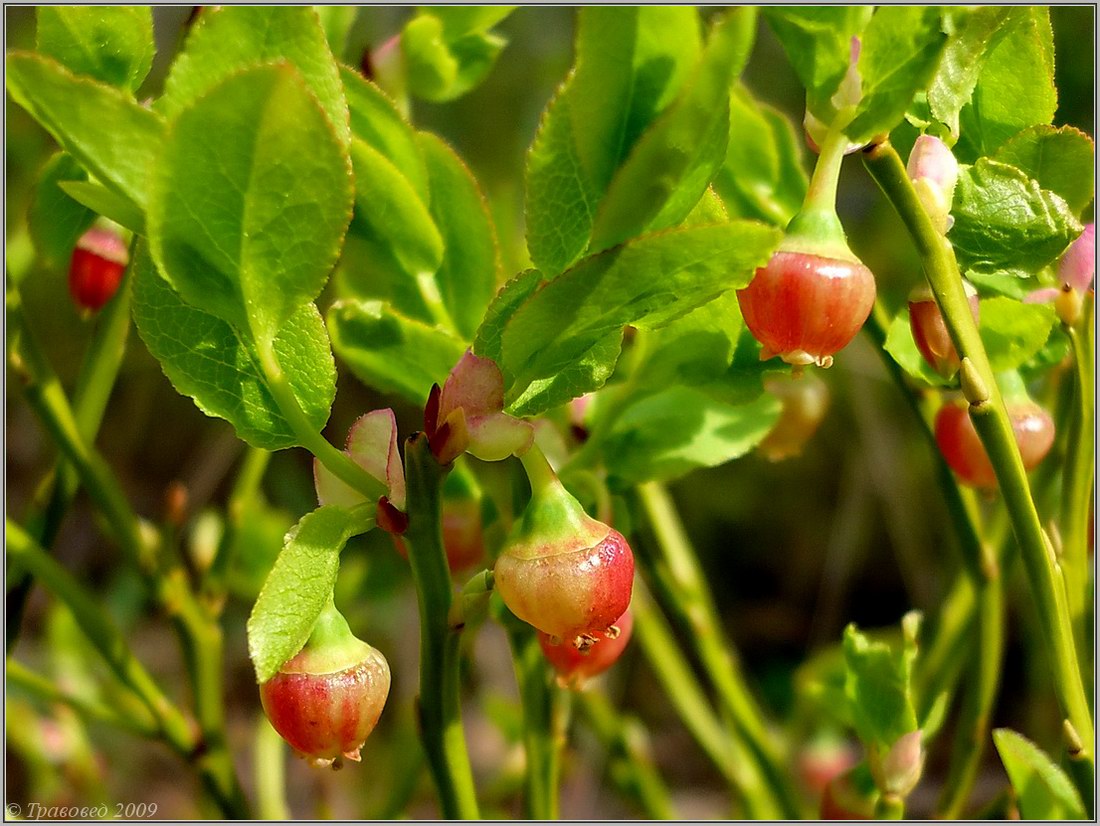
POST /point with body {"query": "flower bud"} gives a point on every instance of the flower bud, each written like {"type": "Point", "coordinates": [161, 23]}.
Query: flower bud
{"type": "Point", "coordinates": [899, 771]}
{"type": "Point", "coordinates": [574, 666]}
{"type": "Point", "coordinates": [1078, 266]}
{"type": "Point", "coordinates": [805, 307]}
{"type": "Point", "coordinates": [327, 699]}
{"type": "Point", "coordinates": [805, 401]}
{"type": "Point", "coordinates": [965, 454]}
{"type": "Point", "coordinates": [96, 269]}
{"type": "Point", "coordinates": [930, 331]}
{"type": "Point", "coordinates": [565, 573]}
{"type": "Point", "coordinates": [934, 171]}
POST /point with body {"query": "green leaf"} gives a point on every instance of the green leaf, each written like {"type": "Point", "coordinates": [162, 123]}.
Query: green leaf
{"type": "Point", "coordinates": [460, 21]}
{"type": "Point", "coordinates": [1060, 160]}
{"type": "Point", "coordinates": [113, 44]}
{"type": "Point", "coordinates": [763, 176]}
{"type": "Point", "coordinates": [510, 297]}
{"type": "Point", "coordinates": [901, 49]}
{"type": "Point", "coordinates": [903, 349]}
{"type": "Point", "coordinates": [630, 63]}
{"type": "Point", "coordinates": [256, 542]}
{"type": "Point", "coordinates": [1005, 221]}
{"type": "Point", "coordinates": [55, 220]}
{"type": "Point", "coordinates": [1013, 332]}
{"type": "Point", "coordinates": [744, 380]}
{"type": "Point", "coordinates": [650, 281]}
{"type": "Point", "coordinates": [974, 33]}
{"type": "Point", "coordinates": [206, 360]}
{"type": "Point", "coordinates": [390, 352]}
{"type": "Point", "coordinates": [106, 202]}
{"type": "Point", "coordinates": [672, 432]}
{"type": "Point", "coordinates": [877, 685]}
{"type": "Point", "coordinates": [375, 119]}
{"type": "Point", "coordinates": [1043, 791]}
{"type": "Point", "coordinates": [232, 38]}
{"type": "Point", "coordinates": [448, 52]}
{"type": "Point", "coordinates": [110, 135]}
{"type": "Point", "coordinates": [391, 213]}
{"type": "Point", "coordinates": [1015, 89]}
{"type": "Point", "coordinates": [818, 42]}
{"type": "Point", "coordinates": [467, 275]}
{"type": "Point", "coordinates": [673, 162]}
{"type": "Point", "coordinates": [299, 587]}
{"type": "Point", "coordinates": [1008, 283]}
{"type": "Point", "coordinates": [336, 22]}
{"type": "Point", "coordinates": [696, 348]}
{"type": "Point", "coordinates": [266, 244]}
{"type": "Point", "coordinates": [588, 372]}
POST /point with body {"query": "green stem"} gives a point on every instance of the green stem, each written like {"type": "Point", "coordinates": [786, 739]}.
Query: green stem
{"type": "Point", "coordinates": [942, 661]}
{"type": "Point", "coordinates": [48, 691]}
{"type": "Point", "coordinates": [665, 656]}
{"type": "Point", "coordinates": [992, 424]}
{"type": "Point", "coordinates": [439, 701]}
{"type": "Point", "coordinates": [93, 388]}
{"type": "Point", "coordinates": [199, 636]}
{"type": "Point", "coordinates": [47, 398]}
{"type": "Point", "coordinates": [889, 807]}
{"type": "Point", "coordinates": [676, 570]}
{"type": "Point", "coordinates": [541, 702]}
{"type": "Point", "coordinates": [973, 729]}
{"type": "Point", "coordinates": [245, 490]}
{"type": "Point", "coordinates": [632, 768]}
{"type": "Point", "coordinates": [104, 635]}
{"type": "Point", "coordinates": [269, 769]}
{"type": "Point", "coordinates": [1077, 490]}
{"type": "Point", "coordinates": [960, 501]}
{"type": "Point", "coordinates": [338, 462]}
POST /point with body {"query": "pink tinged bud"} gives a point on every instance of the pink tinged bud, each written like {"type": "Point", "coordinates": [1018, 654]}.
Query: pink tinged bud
{"type": "Point", "coordinates": [930, 332]}
{"type": "Point", "coordinates": [96, 268]}
{"type": "Point", "coordinates": [900, 769]}
{"type": "Point", "coordinates": [327, 699]}
{"type": "Point", "coordinates": [964, 452]}
{"type": "Point", "coordinates": [805, 401]}
{"type": "Point", "coordinates": [805, 307]}
{"type": "Point", "coordinates": [1078, 266]}
{"type": "Point", "coordinates": [934, 171]}
{"type": "Point", "coordinates": [468, 415]}
{"type": "Point", "coordinates": [574, 666]}
{"type": "Point", "coordinates": [371, 444]}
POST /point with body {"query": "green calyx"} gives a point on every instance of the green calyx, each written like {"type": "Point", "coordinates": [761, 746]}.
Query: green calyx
{"type": "Point", "coordinates": [816, 229]}
{"type": "Point", "coordinates": [331, 647]}
{"type": "Point", "coordinates": [554, 522]}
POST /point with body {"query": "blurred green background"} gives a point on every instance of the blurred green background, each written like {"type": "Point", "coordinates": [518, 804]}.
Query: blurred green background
{"type": "Point", "coordinates": [854, 530]}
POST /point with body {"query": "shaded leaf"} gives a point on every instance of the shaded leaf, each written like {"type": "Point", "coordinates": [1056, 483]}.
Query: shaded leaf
{"type": "Point", "coordinates": [668, 434]}
{"type": "Point", "coordinates": [673, 162]}
{"type": "Point", "coordinates": [389, 352]}
{"type": "Point", "coordinates": [1013, 332]}
{"type": "Point", "coordinates": [113, 44]}
{"type": "Point", "coordinates": [207, 360]}
{"type": "Point", "coordinates": [55, 220]}
{"type": "Point", "coordinates": [630, 63]}
{"type": "Point", "coordinates": [467, 274]}
{"type": "Point", "coordinates": [584, 374]}
{"type": "Point", "coordinates": [763, 176]}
